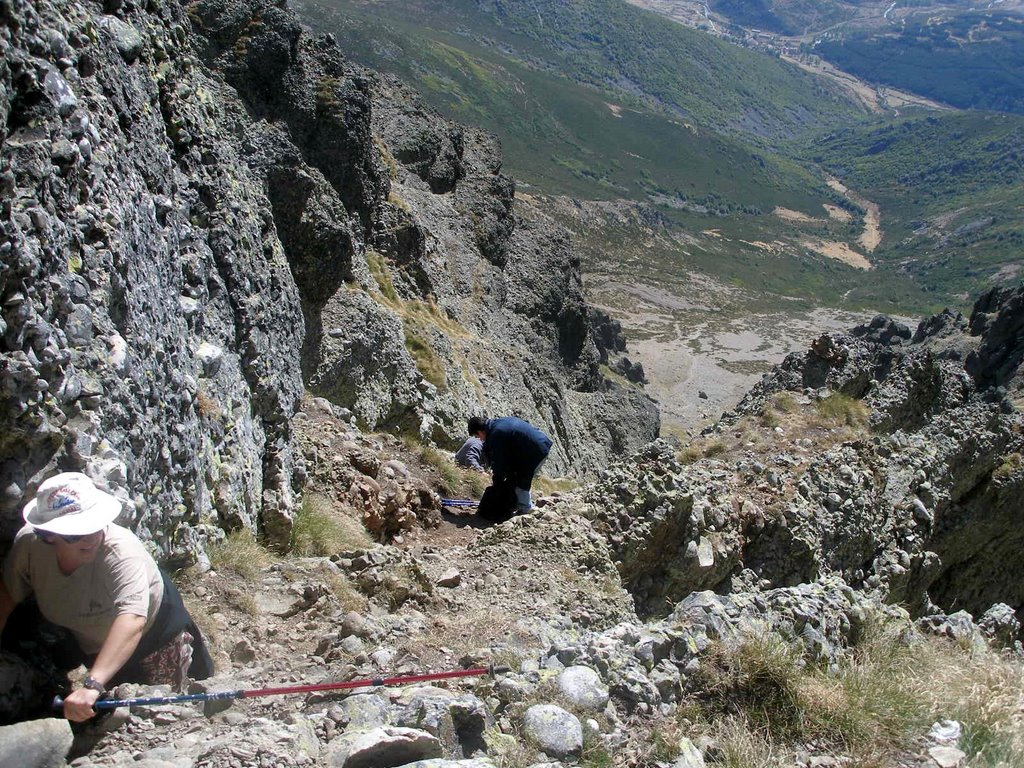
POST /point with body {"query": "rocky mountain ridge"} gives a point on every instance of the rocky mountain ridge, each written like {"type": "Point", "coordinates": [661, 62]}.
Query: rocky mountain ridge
{"type": "Point", "coordinates": [165, 304]}
{"type": "Point", "coordinates": [207, 210]}
{"type": "Point", "coordinates": [614, 603]}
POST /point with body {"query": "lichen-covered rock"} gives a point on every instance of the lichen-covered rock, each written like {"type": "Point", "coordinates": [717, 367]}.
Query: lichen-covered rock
{"type": "Point", "coordinates": [150, 247]}
{"type": "Point", "coordinates": [207, 209]}
{"type": "Point", "coordinates": [1001, 626]}
{"type": "Point", "coordinates": [556, 732]}
{"type": "Point", "coordinates": [457, 721]}
{"type": "Point", "coordinates": [583, 688]}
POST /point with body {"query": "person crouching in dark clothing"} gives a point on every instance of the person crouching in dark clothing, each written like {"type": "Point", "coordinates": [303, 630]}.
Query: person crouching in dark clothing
{"type": "Point", "coordinates": [515, 449]}
{"type": "Point", "coordinates": [95, 583]}
{"type": "Point", "coordinates": [471, 454]}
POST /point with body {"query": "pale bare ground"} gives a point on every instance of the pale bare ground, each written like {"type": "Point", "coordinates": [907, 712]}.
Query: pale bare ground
{"type": "Point", "coordinates": [838, 251]}
{"type": "Point", "coordinates": [788, 214]}
{"type": "Point", "coordinates": [864, 93]}
{"type": "Point", "coordinates": [614, 108]}
{"type": "Point", "coordinates": [871, 237]}
{"type": "Point", "coordinates": [834, 249]}
{"type": "Point", "coordinates": [695, 338]}
{"type": "Point", "coordinates": [775, 247]}
{"type": "Point", "coordinates": [837, 213]}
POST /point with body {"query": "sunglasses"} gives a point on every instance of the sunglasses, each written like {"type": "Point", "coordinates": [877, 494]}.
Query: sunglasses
{"type": "Point", "coordinates": [50, 538]}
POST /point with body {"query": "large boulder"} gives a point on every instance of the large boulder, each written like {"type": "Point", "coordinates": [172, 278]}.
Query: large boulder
{"type": "Point", "coordinates": [36, 743]}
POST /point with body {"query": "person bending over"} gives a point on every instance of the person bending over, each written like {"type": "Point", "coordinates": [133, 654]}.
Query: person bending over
{"type": "Point", "coordinates": [515, 449]}
{"type": "Point", "coordinates": [95, 579]}
{"type": "Point", "coordinates": [471, 454]}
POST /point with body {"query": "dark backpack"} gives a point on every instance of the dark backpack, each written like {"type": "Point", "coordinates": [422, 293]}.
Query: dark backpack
{"type": "Point", "coordinates": [498, 502]}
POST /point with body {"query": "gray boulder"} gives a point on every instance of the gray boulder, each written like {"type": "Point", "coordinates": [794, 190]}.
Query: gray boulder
{"type": "Point", "coordinates": [556, 732]}
{"type": "Point", "coordinates": [583, 688]}
{"type": "Point", "coordinates": [35, 744]}
{"type": "Point", "coordinates": [383, 747]}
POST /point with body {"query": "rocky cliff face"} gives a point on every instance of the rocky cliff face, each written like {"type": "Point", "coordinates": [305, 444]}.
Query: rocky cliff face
{"type": "Point", "coordinates": [205, 211]}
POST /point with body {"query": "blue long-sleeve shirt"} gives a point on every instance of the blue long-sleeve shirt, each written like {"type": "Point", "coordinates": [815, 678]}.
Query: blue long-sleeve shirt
{"type": "Point", "coordinates": [515, 449]}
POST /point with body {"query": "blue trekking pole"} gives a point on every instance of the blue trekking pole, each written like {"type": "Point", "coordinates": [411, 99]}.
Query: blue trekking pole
{"type": "Point", "coordinates": [459, 503]}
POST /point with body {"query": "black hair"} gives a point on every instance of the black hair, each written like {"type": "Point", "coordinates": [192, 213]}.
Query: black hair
{"type": "Point", "coordinates": [477, 424]}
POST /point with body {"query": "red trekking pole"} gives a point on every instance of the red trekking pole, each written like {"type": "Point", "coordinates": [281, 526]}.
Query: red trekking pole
{"type": "Point", "coordinates": [58, 702]}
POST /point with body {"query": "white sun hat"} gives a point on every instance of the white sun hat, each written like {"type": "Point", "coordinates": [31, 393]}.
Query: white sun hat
{"type": "Point", "coordinates": [69, 504]}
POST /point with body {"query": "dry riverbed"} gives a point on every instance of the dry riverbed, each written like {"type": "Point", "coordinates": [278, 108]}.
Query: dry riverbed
{"type": "Point", "coordinates": [701, 359]}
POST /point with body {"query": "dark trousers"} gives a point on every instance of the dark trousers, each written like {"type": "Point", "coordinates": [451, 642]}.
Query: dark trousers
{"type": "Point", "coordinates": [54, 650]}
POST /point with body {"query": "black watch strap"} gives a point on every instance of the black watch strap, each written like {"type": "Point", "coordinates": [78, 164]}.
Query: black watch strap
{"type": "Point", "coordinates": [94, 684]}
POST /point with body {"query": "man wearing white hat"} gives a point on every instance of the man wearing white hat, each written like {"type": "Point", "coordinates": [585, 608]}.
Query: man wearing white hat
{"type": "Point", "coordinates": [97, 580]}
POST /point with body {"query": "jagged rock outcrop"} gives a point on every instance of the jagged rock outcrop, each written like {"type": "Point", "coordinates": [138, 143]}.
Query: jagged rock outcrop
{"type": "Point", "coordinates": [441, 293]}
{"type": "Point", "coordinates": [207, 209]}
{"type": "Point", "coordinates": [934, 496]}
{"type": "Point", "coordinates": [923, 507]}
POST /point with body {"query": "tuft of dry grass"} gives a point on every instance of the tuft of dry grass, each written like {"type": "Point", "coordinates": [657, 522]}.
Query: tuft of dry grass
{"type": "Point", "coordinates": [350, 598]}
{"type": "Point", "coordinates": [741, 746]}
{"type": "Point", "coordinates": [785, 402]}
{"type": "Point", "coordinates": [475, 482]}
{"type": "Point", "coordinates": [715, 448]}
{"type": "Point", "coordinates": [451, 474]}
{"type": "Point", "coordinates": [206, 405]}
{"type": "Point", "coordinates": [385, 154]}
{"type": "Point", "coordinates": [319, 530]}
{"type": "Point", "coordinates": [548, 485]}
{"type": "Point", "coordinates": [980, 688]}
{"type": "Point", "coordinates": [207, 626]}
{"type": "Point", "coordinates": [842, 410]}
{"type": "Point", "coordinates": [757, 697]}
{"type": "Point", "coordinates": [240, 553]}
{"type": "Point", "coordinates": [1010, 465]}
{"type": "Point", "coordinates": [426, 359]}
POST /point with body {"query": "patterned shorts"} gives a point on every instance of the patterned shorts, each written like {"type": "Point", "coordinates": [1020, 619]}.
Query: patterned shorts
{"type": "Point", "coordinates": [169, 665]}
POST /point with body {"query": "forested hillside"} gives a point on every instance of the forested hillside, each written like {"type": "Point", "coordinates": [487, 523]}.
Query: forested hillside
{"type": "Point", "coordinates": [971, 60]}
{"type": "Point", "coordinates": [951, 188]}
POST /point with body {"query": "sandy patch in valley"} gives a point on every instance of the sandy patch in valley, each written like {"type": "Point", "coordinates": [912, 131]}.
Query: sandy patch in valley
{"type": "Point", "coordinates": [871, 237]}
{"type": "Point", "coordinates": [838, 251]}
{"type": "Point", "coordinates": [837, 213]}
{"type": "Point", "coordinates": [722, 360]}
{"type": "Point", "coordinates": [790, 215]}
{"type": "Point", "coordinates": [774, 247]}
{"type": "Point", "coordinates": [690, 341]}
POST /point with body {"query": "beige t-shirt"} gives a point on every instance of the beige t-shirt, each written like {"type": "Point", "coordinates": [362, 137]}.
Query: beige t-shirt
{"type": "Point", "coordinates": [123, 578]}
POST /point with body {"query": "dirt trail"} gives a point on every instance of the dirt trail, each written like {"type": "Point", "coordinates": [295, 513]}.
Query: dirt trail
{"type": "Point", "coordinates": [871, 237]}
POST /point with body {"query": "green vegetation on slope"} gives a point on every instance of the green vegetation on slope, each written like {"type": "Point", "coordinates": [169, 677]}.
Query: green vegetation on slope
{"type": "Point", "coordinates": [576, 117]}
{"type": "Point", "coordinates": [950, 189]}
{"type": "Point", "coordinates": [972, 61]}
{"type": "Point", "coordinates": [785, 17]}
{"type": "Point", "coordinates": [573, 140]}
{"type": "Point", "coordinates": [610, 44]}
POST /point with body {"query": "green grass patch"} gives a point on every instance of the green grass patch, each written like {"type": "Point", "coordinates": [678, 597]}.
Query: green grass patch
{"type": "Point", "coordinates": [1010, 465]}
{"type": "Point", "coordinates": [240, 553]}
{"type": "Point", "coordinates": [842, 410]}
{"type": "Point", "coordinates": [758, 697]}
{"type": "Point", "coordinates": [320, 531]}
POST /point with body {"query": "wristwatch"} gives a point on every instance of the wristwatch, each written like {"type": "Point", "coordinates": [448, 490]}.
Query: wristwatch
{"type": "Point", "coordinates": [94, 684]}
